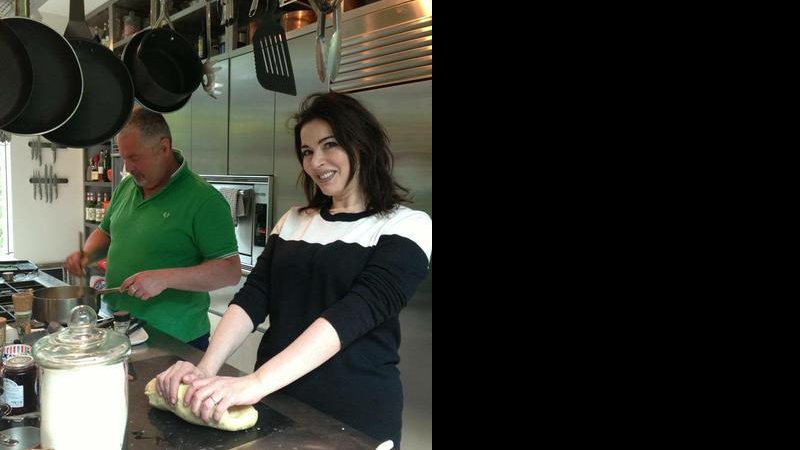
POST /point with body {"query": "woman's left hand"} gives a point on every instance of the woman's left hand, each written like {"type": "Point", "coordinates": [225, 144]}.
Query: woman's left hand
{"type": "Point", "coordinates": [211, 397]}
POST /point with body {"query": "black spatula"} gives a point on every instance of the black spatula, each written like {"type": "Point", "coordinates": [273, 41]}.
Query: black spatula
{"type": "Point", "coordinates": [271, 52]}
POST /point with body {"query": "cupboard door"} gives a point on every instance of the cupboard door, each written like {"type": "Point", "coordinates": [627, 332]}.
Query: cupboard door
{"type": "Point", "coordinates": [209, 135]}
{"type": "Point", "coordinates": [286, 191]}
{"type": "Point", "coordinates": [181, 128]}
{"type": "Point", "coordinates": [252, 121]}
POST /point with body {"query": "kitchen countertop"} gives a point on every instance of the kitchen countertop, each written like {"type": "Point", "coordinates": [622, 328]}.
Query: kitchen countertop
{"type": "Point", "coordinates": [283, 421]}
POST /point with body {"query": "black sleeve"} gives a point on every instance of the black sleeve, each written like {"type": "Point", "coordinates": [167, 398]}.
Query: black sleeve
{"type": "Point", "coordinates": [389, 279]}
{"type": "Point", "coordinates": [253, 297]}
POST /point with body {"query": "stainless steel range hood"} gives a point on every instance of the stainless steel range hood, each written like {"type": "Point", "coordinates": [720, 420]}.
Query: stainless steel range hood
{"type": "Point", "coordinates": [386, 43]}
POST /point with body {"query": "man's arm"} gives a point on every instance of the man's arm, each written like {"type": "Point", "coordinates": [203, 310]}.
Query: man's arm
{"type": "Point", "coordinates": [206, 276]}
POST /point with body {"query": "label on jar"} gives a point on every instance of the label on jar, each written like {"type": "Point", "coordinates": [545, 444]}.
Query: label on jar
{"type": "Point", "coordinates": [15, 396]}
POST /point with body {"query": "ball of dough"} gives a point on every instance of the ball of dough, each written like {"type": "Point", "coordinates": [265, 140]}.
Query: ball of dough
{"type": "Point", "coordinates": [234, 419]}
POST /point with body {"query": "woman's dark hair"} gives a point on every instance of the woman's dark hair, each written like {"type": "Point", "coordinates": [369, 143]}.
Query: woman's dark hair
{"type": "Point", "coordinates": [366, 143]}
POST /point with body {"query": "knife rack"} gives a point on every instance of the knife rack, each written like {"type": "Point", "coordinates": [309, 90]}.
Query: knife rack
{"type": "Point", "coordinates": [49, 145]}
{"type": "Point", "coordinates": [48, 180]}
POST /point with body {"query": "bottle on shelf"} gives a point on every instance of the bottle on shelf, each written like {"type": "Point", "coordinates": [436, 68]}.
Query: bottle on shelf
{"type": "Point", "coordinates": [99, 209]}
{"type": "Point", "coordinates": [100, 167]}
{"type": "Point", "coordinates": [94, 173]}
{"type": "Point", "coordinates": [90, 207]}
{"type": "Point", "coordinates": [107, 165]}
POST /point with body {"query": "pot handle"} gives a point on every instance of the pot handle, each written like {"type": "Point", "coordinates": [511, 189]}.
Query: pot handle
{"type": "Point", "coordinates": [163, 16]}
{"type": "Point", "coordinates": [115, 290]}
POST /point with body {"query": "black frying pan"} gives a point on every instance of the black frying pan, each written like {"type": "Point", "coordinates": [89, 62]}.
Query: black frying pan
{"type": "Point", "coordinates": [57, 78]}
{"type": "Point", "coordinates": [16, 76]}
{"type": "Point", "coordinates": [107, 89]}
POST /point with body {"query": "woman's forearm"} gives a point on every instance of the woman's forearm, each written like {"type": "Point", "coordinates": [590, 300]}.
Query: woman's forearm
{"type": "Point", "coordinates": [232, 330]}
{"type": "Point", "coordinates": [318, 343]}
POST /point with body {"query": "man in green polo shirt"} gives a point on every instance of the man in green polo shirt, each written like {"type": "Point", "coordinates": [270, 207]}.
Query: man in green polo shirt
{"type": "Point", "coordinates": [168, 235]}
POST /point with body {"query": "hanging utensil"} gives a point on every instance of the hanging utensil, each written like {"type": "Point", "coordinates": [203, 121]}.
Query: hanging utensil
{"type": "Point", "coordinates": [165, 67]}
{"type": "Point", "coordinates": [48, 192]}
{"type": "Point", "coordinates": [16, 78]}
{"type": "Point", "coordinates": [57, 78]}
{"type": "Point", "coordinates": [209, 74]}
{"type": "Point", "coordinates": [335, 49]}
{"type": "Point", "coordinates": [328, 54]}
{"type": "Point", "coordinates": [320, 41]}
{"type": "Point", "coordinates": [271, 53]}
{"type": "Point", "coordinates": [108, 93]}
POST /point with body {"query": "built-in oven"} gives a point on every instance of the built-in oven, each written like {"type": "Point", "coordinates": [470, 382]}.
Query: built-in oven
{"type": "Point", "coordinates": [251, 198]}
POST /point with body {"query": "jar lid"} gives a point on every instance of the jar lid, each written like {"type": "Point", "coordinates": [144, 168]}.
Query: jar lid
{"type": "Point", "coordinates": [81, 343]}
{"type": "Point", "coordinates": [122, 316]}
{"type": "Point", "coordinates": [19, 362]}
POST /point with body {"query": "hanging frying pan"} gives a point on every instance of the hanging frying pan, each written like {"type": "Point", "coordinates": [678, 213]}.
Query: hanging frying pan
{"type": "Point", "coordinates": [16, 77]}
{"type": "Point", "coordinates": [107, 92]}
{"type": "Point", "coordinates": [57, 78]}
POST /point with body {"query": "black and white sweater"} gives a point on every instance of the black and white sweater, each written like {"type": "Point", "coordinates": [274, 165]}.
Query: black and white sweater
{"type": "Point", "coordinates": [357, 271]}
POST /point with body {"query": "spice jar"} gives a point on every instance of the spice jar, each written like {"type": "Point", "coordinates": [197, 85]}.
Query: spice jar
{"type": "Point", "coordinates": [122, 320]}
{"type": "Point", "coordinates": [83, 385]}
{"type": "Point", "coordinates": [19, 384]}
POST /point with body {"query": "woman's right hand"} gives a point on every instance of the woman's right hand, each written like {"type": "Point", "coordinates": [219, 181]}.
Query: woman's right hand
{"type": "Point", "coordinates": [74, 264]}
{"type": "Point", "coordinates": [168, 381]}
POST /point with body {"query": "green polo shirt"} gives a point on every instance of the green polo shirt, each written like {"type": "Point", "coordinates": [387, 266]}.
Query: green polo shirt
{"type": "Point", "coordinates": [185, 223]}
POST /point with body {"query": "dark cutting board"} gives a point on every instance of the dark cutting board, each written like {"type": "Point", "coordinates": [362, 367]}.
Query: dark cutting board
{"type": "Point", "coordinates": [150, 428]}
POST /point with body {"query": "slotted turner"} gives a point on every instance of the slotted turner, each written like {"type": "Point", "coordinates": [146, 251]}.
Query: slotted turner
{"type": "Point", "coordinates": [271, 53]}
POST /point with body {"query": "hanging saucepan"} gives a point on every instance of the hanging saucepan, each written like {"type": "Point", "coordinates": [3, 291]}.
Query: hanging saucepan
{"type": "Point", "coordinates": [16, 76]}
{"type": "Point", "coordinates": [129, 59]}
{"type": "Point", "coordinates": [57, 78]}
{"type": "Point", "coordinates": [165, 67]}
{"type": "Point", "coordinates": [107, 93]}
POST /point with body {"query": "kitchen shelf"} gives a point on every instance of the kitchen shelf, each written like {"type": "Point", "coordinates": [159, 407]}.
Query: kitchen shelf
{"type": "Point", "coordinates": [90, 225]}
{"type": "Point", "coordinates": [97, 183]}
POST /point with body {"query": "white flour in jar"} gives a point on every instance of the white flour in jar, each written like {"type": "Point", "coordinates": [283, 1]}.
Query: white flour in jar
{"type": "Point", "coordinates": [84, 408]}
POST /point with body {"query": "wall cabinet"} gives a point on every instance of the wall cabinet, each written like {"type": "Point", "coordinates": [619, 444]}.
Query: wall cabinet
{"type": "Point", "coordinates": [251, 122]}
{"type": "Point", "coordinates": [180, 125]}
{"type": "Point", "coordinates": [209, 127]}
{"type": "Point", "coordinates": [286, 192]}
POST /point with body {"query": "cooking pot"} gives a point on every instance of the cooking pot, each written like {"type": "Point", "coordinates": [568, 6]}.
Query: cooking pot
{"type": "Point", "coordinates": [164, 66]}
{"type": "Point", "coordinates": [56, 303]}
{"type": "Point", "coordinates": [293, 20]}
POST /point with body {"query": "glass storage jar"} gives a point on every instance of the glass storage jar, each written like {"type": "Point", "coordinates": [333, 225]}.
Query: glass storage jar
{"type": "Point", "coordinates": [83, 385]}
